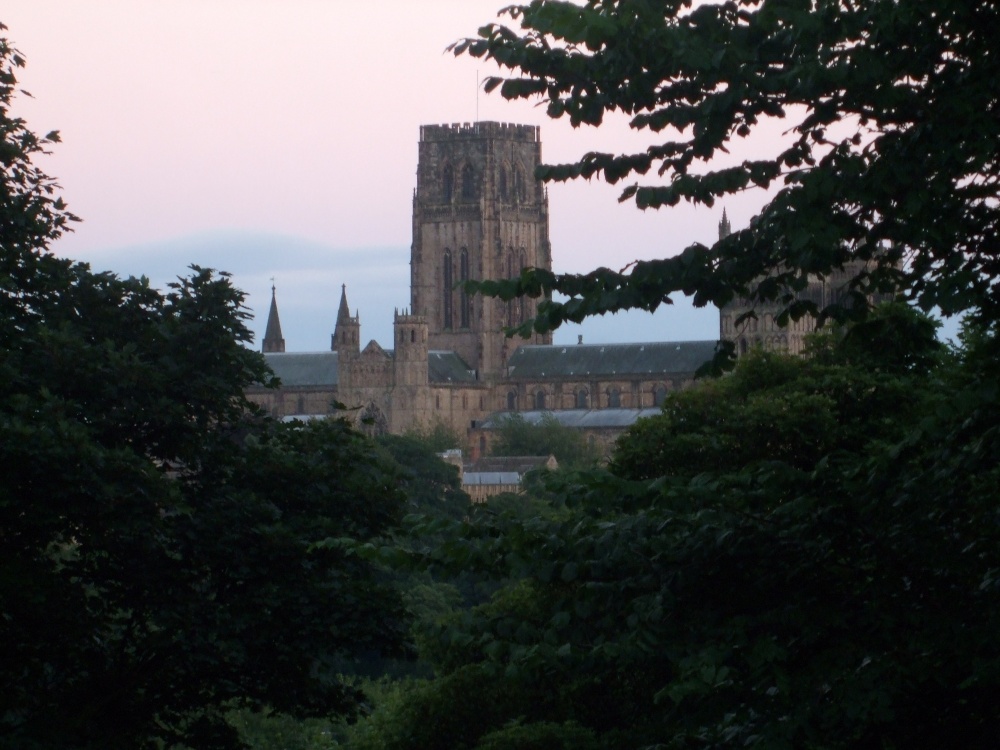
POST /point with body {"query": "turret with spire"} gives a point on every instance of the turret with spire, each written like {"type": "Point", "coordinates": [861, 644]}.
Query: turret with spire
{"type": "Point", "coordinates": [724, 228]}
{"type": "Point", "coordinates": [347, 333]}
{"type": "Point", "coordinates": [273, 341]}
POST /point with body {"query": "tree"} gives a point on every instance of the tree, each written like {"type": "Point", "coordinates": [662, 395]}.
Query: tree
{"type": "Point", "coordinates": [162, 540]}
{"type": "Point", "coordinates": [744, 577]}
{"type": "Point", "coordinates": [430, 484]}
{"type": "Point", "coordinates": [438, 437]}
{"type": "Point", "coordinates": [840, 597]}
{"type": "Point", "coordinates": [853, 388]}
{"type": "Point", "coordinates": [518, 437]}
{"type": "Point", "coordinates": [890, 159]}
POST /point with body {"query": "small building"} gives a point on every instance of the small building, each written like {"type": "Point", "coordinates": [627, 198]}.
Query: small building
{"type": "Point", "coordinates": [495, 475]}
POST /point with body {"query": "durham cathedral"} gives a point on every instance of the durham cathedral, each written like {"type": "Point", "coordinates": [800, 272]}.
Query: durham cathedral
{"type": "Point", "coordinates": [478, 213]}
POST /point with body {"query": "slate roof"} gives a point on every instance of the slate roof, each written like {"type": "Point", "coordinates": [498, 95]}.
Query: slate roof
{"type": "Point", "coordinates": [605, 360]}
{"type": "Point", "coordinates": [448, 367]}
{"type": "Point", "coordinates": [583, 419]}
{"type": "Point", "coordinates": [516, 464]}
{"type": "Point", "coordinates": [480, 478]}
{"type": "Point", "coordinates": [304, 369]}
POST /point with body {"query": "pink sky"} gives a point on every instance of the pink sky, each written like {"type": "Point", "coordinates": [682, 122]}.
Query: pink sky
{"type": "Point", "coordinates": [295, 120]}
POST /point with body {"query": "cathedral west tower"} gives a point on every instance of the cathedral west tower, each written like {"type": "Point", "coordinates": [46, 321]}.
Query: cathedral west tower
{"type": "Point", "coordinates": [478, 213]}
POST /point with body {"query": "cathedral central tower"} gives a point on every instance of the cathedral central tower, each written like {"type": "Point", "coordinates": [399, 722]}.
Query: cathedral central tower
{"type": "Point", "coordinates": [478, 213]}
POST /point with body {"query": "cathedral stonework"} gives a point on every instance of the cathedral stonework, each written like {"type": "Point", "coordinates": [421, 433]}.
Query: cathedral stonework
{"type": "Point", "coordinates": [478, 213]}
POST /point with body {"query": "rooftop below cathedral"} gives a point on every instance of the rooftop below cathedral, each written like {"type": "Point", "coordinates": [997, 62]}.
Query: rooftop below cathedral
{"type": "Point", "coordinates": [304, 369]}
{"type": "Point", "coordinates": [609, 360]}
{"type": "Point", "coordinates": [581, 419]}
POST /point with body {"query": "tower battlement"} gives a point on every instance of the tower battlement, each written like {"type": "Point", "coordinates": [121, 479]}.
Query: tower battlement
{"type": "Point", "coordinates": [404, 317]}
{"type": "Point", "coordinates": [460, 130]}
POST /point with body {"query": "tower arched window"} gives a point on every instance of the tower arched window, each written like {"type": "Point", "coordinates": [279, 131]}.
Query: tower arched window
{"type": "Point", "coordinates": [413, 335]}
{"type": "Point", "coordinates": [521, 185]}
{"type": "Point", "coordinates": [503, 183]}
{"type": "Point", "coordinates": [521, 301]}
{"type": "Point", "coordinates": [448, 183]}
{"type": "Point", "coordinates": [468, 183]}
{"type": "Point", "coordinates": [465, 304]}
{"type": "Point", "coordinates": [509, 305]}
{"type": "Point", "coordinates": [447, 282]}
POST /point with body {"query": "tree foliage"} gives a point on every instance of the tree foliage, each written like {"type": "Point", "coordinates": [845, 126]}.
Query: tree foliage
{"type": "Point", "coordinates": [437, 436]}
{"type": "Point", "coordinates": [852, 389]}
{"type": "Point", "coordinates": [841, 599]}
{"type": "Point", "coordinates": [161, 540]}
{"type": "Point", "coordinates": [890, 154]}
{"type": "Point", "coordinates": [804, 554]}
{"type": "Point", "coordinates": [515, 436]}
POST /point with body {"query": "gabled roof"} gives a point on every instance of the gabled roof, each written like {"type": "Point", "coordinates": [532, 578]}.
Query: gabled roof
{"type": "Point", "coordinates": [609, 360]}
{"type": "Point", "coordinates": [581, 419]}
{"type": "Point", "coordinates": [374, 350]}
{"type": "Point", "coordinates": [304, 369]}
{"type": "Point", "coordinates": [448, 367]}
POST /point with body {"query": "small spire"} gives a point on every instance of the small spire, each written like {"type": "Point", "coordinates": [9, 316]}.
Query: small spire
{"type": "Point", "coordinates": [343, 314]}
{"type": "Point", "coordinates": [273, 340]}
{"type": "Point", "coordinates": [724, 228]}
{"type": "Point", "coordinates": [346, 331]}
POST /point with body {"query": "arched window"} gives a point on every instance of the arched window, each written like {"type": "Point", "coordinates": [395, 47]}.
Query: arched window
{"type": "Point", "coordinates": [413, 335]}
{"type": "Point", "coordinates": [521, 185]}
{"type": "Point", "coordinates": [465, 304]}
{"type": "Point", "coordinates": [509, 305]}
{"type": "Point", "coordinates": [659, 395]}
{"type": "Point", "coordinates": [503, 182]}
{"type": "Point", "coordinates": [540, 400]}
{"type": "Point", "coordinates": [521, 301]}
{"type": "Point", "coordinates": [301, 405]}
{"type": "Point", "coordinates": [447, 282]}
{"type": "Point", "coordinates": [614, 398]}
{"type": "Point", "coordinates": [448, 183]}
{"type": "Point", "coordinates": [511, 401]}
{"type": "Point", "coordinates": [582, 399]}
{"type": "Point", "coordinates": [468, 183]}
{"type": "Point", "coordinates": [482, 446]}
{"type": "Point", "coordinates": [743, 346]}
{"type": "Point", "coordinates": [518, 179]}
